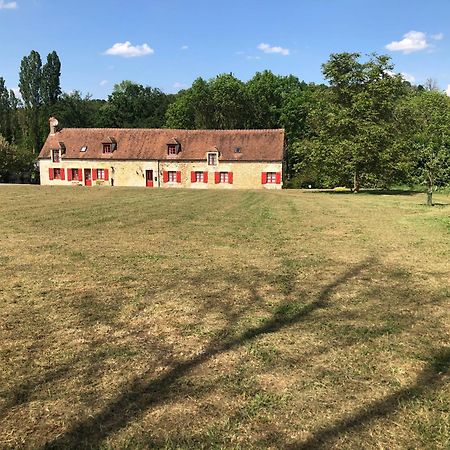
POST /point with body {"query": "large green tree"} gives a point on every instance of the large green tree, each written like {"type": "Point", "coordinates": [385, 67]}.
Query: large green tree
{"type": "Point", "coordinates": [426, 118]}
{"type": "Point", "coordinates": [353, 122]}
{"type": "Point", "coordinates": [30, 84]}
{"type": "Point", "coordinates": [51, 73]}
{"type": "Point", "coordinates": [5, 111]}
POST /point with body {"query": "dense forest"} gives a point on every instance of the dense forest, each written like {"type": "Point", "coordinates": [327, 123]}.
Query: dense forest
{"type": "Point", "coordinates": [366, 127]}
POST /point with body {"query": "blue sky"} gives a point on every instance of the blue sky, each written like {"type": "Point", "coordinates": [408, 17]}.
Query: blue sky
{"type": "Point", "coordinates": [168, 43]}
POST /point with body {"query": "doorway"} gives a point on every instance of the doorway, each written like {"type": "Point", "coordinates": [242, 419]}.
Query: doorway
{"type": "Point", "coordinates": [149, 178]}
{"type": "Point", "coordinates": [87, 177]}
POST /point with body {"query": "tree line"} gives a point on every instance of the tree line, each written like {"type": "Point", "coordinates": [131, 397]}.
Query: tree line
{"type": "Point", "coordinates": [366, 126]}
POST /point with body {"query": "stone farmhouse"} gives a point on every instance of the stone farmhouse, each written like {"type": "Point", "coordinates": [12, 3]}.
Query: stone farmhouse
{"type": "Point", "coordinates": [229, 159]}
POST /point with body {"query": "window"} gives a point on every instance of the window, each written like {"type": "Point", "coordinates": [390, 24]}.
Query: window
{"type": "Point", "coordinates": [100, 174]}
{"type": "Point", "coordinates": [172, 176]}
{"type": "Point", "coordinates": [172, 149]}
{"type": "Point", "coordinates": [199, 177]}
{"type": "Point", "coordinates": [57, 174]}
{"type": "Point", "coordinates": [224, 177]}
{"type": "Point", "coordinates": [271, 177]}
{"type": "Point", "coordinates": [212, 159]}
{"type": "Point", "coordinates": [56, 158]}
{"type": "Point", "coordinates": [74, 174]}
{"type": "Point", "coordinates": [107, 148]}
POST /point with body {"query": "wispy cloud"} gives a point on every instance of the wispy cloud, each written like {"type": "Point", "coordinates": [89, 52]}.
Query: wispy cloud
{"type": "Point", "coordinates": [413, 41]}
{"type": "Point", "coordinates": [8, 5]}
{"type": "Point", "coordinates": [127, 50]}
{"type": "Point", "coordinates": [104, 82]}
{"type": "Point", "coordinates": [250, 57]}
{"type": "Point", "coordinates": [184, 47]}
{"type": "Point", "coordinates": [266, 48]}
{"type": "Point", "coordinates": [437, 37]}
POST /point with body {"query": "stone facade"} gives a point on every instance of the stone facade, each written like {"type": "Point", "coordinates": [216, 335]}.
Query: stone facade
{"type": "Point", "coordinates": [246, 175]}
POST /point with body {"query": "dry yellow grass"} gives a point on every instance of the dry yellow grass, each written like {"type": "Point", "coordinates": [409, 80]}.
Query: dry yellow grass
{"type": "Point", "coordinates": [138, 318]}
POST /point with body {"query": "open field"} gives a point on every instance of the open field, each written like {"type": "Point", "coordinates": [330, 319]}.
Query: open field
{"type": "Point", "coordinates": [134, 318]}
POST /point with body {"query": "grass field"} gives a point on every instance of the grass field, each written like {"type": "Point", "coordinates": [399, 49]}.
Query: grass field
{"type": "Point", "coordinates": [135, 318]}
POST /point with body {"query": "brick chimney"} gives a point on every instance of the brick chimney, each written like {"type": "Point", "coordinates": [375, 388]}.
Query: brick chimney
{"type": "Point", "coordinates": [53, 124]}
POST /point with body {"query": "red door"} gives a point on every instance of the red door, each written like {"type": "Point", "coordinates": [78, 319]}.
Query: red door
{"type": "Point", "coordinates": [87, 177]}
{"type": "Point", "coordinates": [149, 178]}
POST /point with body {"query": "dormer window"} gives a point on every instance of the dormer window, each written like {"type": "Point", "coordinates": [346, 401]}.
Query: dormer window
{"type": "Point", "coordinates": [173, 148]}
{"type": "Point", "coordinates": [56, 156]}
{"type": "Point", "coordinates": [212, 159]}
{"type": "Point", "coordinates": [107, 148]}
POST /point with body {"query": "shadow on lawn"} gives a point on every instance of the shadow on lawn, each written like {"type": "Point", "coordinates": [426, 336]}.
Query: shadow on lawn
{"type": "Point", "coordinates": [142, 395]}
{"type": "Point", "coordinates": [432, 377]}
{"type": "Point", "coordinates": [398, 192]}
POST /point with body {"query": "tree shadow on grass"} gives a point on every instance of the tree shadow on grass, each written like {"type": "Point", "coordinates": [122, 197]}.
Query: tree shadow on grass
{"type": "Point", "coordinates": [143, 394]}
{"type": "Point", "coordinates": [432, 377]}
{"type": "Point", "coordinates": [394, 192]}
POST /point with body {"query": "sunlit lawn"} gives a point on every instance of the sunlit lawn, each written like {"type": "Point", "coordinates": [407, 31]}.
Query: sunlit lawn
{"type": "Point", "coordinates": [207, 319]}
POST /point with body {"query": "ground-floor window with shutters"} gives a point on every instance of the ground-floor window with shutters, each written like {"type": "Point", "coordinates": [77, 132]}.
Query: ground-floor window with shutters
{"type": "Point", "coordinates": [271, 178]}
{"type": "Point", "coordinates": [100, 174]}
{"type": "Point", "coordinates": [224, 177]}
{"type": "Point", "coordinates": [199, 177]}
{"type": "Point", "coordinates": [56, 174]}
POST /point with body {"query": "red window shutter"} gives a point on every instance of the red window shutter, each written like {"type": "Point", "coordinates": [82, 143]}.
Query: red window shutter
{"type": "Point", "coordinates": [230, 177]}
{"type": "Point", "coordinates": [106, 174]}
{"type": "Point", "coordinates": [205, 177]}
{"type": "Point", "coordinates": [62, 175]}
{"type": "Point", "coordinates": [264, 178]}
{"type": "Point", "coordinates": [165, 176]}
{"type": "Point", "coordinates": [94, 174]}
{"type": "Point", "coordinates": [80, 175]}
{"type": "Point", "coordinates": [69, 174]}
{"type": "Point", "coordinates": [278, 178]}
{"type": "Point", "coordinates": [50, 174]}
{"type": "Point", "coordinates": [178, 177]}
{"type": "Point", "coordinates": [192, 177]}
{"type": "Point", "coordinates": [217, 177]}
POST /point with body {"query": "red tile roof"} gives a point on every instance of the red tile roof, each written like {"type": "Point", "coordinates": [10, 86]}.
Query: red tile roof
{"type": "Point", "coordinates": [151, 144]}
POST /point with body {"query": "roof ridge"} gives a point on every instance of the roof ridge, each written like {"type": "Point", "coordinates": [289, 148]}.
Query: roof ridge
{"type": "Point", "coordinates": [176, 129]}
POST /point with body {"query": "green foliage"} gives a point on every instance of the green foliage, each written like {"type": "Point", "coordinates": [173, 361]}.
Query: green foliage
{"type": "Point", "coordinates": [51, 73]}
{"type": "Point", "coordinates": [15, 162]}
{"type": "Point", "coordinates": [77, 111]}
{"type": "Point", "coordinates": [132, 105]}
{"type": "Point", "coordinates": [352, 124]}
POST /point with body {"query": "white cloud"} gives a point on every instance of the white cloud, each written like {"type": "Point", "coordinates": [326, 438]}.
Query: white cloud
{"type": "Point", "coordinates": [8, 5]}
{"type": "Point", "coordinates": [127, 50]}
{"type": "Point", "coordinates": [447, 91]}
{"type": "Point", "coordinates": [408, 77]}
{"type": "Point", "coordinates": [103, 82]}
{"type": "Point", "coordinates": [184, 47]}
{"type": "Point", "coordinates": [413, 41]}
{"type": "Point", "coordinates": [438, 36]}
{"type": "Point", "coordinates": [266, 48]}
{"type": "Point", "coordinates": [253, 57]}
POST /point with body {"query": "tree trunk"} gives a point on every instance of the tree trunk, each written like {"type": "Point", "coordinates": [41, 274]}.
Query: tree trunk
{"type": "Point", "coordinates": [430, 192]}
{"type": "Point", "coordinates": [356, 182]}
